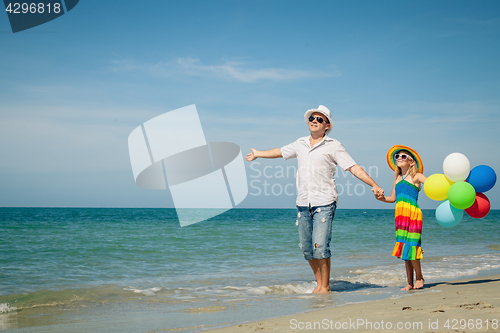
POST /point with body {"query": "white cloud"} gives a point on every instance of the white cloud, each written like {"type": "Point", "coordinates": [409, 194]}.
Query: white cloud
{"type": "Point", "coordinates": [231, 70]}
{"type": "Point", "coordinates": [237, 70]}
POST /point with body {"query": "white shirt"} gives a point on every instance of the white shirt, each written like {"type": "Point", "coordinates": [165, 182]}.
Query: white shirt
{"type": "Point", "coordinates": [316, 169]}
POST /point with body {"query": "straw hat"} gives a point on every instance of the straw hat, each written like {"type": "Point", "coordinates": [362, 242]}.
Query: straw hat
{"type": "Point", "coordinates": [391, 160]}
{"type": "Point", "coordinates": [324, 111]}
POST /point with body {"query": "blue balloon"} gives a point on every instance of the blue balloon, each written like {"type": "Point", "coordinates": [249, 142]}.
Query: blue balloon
{"type": "Point", "coordinates": [482, 178]}
{"type": "Point", "coordinates": [447, 215]}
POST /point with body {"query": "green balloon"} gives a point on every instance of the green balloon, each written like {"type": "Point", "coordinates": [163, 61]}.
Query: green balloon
{"type": "Point", "coordinates": [461, 195]}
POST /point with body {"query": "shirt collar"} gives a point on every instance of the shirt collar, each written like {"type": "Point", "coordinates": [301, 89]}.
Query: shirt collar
{"type": "Point", "coordinates": [306, 138]}
{"type": "Point", "coordinates": [326, 138]}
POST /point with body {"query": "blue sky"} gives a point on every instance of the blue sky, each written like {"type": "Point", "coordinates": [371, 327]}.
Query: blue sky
{"type": "Point", "coordinates": [425, 74]}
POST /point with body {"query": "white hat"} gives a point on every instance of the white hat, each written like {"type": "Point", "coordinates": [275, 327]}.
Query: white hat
{"type": "Point", "coordinates": [324, 111]}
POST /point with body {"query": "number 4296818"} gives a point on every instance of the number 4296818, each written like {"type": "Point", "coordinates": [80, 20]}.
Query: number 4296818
{"type": "Point", "coordinates": [471, 324]}
{"type": "Point", "coordinates": [33, 8]}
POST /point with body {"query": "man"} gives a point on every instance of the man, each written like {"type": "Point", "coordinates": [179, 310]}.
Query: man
{"type": "Point", "coordinates": [317, 157]}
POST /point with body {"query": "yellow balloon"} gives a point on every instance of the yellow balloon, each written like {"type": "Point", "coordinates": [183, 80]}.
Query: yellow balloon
{"type": "Point", "coordinates": [436, 186]}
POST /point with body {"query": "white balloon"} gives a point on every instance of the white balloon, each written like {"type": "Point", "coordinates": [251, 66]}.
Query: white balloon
{"type": "Point", "coordinates": [456, 167]}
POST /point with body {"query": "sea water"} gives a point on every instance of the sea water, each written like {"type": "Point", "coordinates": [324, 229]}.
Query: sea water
{"type": "Point", "coordinates": [137, 270]}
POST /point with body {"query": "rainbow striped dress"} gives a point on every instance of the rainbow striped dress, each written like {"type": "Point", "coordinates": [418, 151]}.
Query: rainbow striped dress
{"type": "Point", "coordinates": [408, 222]}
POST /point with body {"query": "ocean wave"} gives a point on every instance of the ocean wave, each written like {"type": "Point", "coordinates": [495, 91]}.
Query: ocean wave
{"type": "Point", "coordinates": [344, 280]}
{"type": "Point", "coordinates": [457, 266]}
{"type": "Point", "coordinates": [303, 288]}
{"type": "Point", "coordinates": [81, 297]}
{"type": "Point", "coordinates": [6, 308]}
{"type": "Point", "coordinates": [145, 292]}
{"type": "Point", "coordinates": [433, 268]}
{"type": "Point", "coordinates": [300, 288]}
{"type": "Point", "coordinates": [494, 247]}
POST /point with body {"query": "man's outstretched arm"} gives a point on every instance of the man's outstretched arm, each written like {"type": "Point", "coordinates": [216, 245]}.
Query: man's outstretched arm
{"type": "Point", "coordinates": [361, 174]}
{"type": "Point", "coordinates": [273, 153]}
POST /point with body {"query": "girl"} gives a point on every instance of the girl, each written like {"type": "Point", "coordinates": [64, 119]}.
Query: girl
{"type": "Point", "coordinates": [408, 178]}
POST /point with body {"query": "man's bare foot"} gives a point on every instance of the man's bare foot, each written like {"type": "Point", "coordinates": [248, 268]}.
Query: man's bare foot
{"type": "Point", "coordinates": [419, 284]}
{"type": "Point", "coordinates": [408, 287]}
{"type": "Point", "coordinates": [321, 291]}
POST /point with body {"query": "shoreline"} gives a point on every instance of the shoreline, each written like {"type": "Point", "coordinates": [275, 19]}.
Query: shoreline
{"type": "Point", "coordinates": [466, 305]}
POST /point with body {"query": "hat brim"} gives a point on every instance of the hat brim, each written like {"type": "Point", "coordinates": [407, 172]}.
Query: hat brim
{"type": "Point", "coordinates": [311, 111]}
{"type": "Point", "coordinates": [392, 161]}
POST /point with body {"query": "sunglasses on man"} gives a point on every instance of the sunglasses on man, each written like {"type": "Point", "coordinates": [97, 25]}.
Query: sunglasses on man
{"type": "Point", "coordinates": [319, 119]}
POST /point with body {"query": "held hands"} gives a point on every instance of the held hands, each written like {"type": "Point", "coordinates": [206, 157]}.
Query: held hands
{"type": "Point", "coordinates": [378, 192]}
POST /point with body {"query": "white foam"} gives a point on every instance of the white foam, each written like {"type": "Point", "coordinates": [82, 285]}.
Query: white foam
{"type": "Point", "coordinates": [236, 288]}
{"type": "Point", "coordinates": [338, 285]}
{"type": "Point", "coordinates": [456, 266]}
{"type": "Point", "coordinates": [304, 288]}
{"type": "Point", "coordinates": [278, 289]}
{"type": "Point", "coordinates": [372, 277]}
{"type": "Point", "coordinates": [145, 292]}
{"type": "Point", "coordinates": [260, 290]}
{"type": "Point", "coordinates": [183, 297]}
{"type": "Point", "coordinates": [301, 288]}
{"type": "Point", "coordinates": [5, 308]}
{"type": "Point", "coordinates": [433, 268]}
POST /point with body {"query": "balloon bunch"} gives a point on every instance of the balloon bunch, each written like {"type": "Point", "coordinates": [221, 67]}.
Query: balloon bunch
{"type": "Point", "coordinates": [461, 188]}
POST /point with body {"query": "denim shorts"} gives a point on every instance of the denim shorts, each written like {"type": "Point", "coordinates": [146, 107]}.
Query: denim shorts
{"type": "Point", "coordinates": [315, 230]}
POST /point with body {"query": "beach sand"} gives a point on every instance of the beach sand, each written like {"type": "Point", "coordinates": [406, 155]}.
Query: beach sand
{"type": "Point", "coordinates": [471, 305]}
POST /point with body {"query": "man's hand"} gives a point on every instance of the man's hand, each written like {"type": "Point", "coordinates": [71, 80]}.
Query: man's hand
{"type": "Point", "coordinates": [252, 156]}
{"type": "Point", "coordinates": [273, 153]}
{"type": "Point", "coordinates": [378, 192]}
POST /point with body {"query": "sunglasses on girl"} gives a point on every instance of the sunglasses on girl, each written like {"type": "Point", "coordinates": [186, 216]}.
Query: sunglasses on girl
{"type": "Point", "coordinates": [402, 157]}
{"type": "Point", "coordinates": [319, 119]}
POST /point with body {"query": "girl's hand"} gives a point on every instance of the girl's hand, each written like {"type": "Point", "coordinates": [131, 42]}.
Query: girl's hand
{"type": "Point", "coordinates": [378, 192]}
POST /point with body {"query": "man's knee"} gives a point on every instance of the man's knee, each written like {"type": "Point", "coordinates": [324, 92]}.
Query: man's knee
{"type": "Point", "coordinates": [321, 251]}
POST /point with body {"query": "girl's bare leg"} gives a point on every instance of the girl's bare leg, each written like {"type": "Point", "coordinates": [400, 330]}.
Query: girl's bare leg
{"type": "Point", "coordinates": [409, 275]}
{"type": "Point", "coordinates": [419, 283]}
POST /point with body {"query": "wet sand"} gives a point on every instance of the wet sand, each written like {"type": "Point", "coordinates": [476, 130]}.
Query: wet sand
{"type": "Point", "coordinates": [471, 305]}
